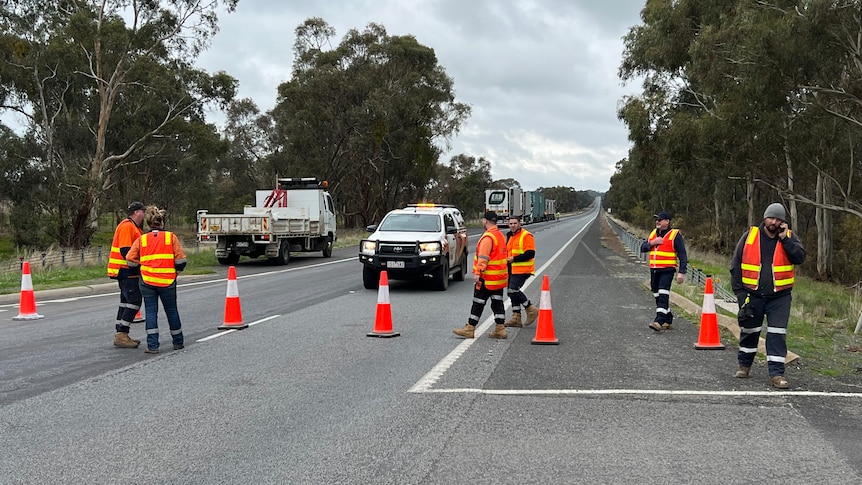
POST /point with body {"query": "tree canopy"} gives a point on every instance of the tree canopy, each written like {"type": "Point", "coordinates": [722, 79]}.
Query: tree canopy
{"type": "Point", "coordinates": [745, 103]}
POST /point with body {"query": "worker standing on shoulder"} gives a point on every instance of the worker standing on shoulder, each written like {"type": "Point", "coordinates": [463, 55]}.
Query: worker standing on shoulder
{"type": "Point", "coordinates": [127, 232]}
{"type": "Point", "coordinates": [521, 250]}
{"type": "Point", "coordinates": [490, 275]}
{"type": "Point", "coordinates": [762, 277]}
{"type": "Point", "coordinates": [665, 246]}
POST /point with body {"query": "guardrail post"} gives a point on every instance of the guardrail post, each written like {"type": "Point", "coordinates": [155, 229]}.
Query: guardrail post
{"type": "Point", "coordinates": [44, 260]}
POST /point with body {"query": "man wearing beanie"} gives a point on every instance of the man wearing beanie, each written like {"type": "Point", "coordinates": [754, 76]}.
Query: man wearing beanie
{"type": "Point", "coordinates": [762, 277]}
{"type": "Point", "coordinates": [490, 275]}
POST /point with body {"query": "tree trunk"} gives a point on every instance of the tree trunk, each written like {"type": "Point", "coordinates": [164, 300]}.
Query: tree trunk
{"type": "Point", "coordinates": [749, 197]}
{"type": "Point", "coordinates": [823, 221]}
{"type": "Point", "coordinates": [788, 160]}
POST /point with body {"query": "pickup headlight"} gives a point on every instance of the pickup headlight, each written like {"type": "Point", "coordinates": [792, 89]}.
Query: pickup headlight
{"type": "Point", "coordinates": [367, 247]}
{"type": "Point", "coordinates": [429, 247]}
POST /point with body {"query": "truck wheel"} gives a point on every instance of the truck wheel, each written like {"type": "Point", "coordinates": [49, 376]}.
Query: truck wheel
{"type": "Point", "coordinates": [462, 269]}
{"type": "Point", "coordinates": [327, 247]}
{"type": "Point", "coordinates": [370, 278]}
{"type": "Point", "coordinates": [231, 258]}
{"type": "Point", "coordinates": [283, 254]}
{"type": "Point", "coordinates": [441, 279]}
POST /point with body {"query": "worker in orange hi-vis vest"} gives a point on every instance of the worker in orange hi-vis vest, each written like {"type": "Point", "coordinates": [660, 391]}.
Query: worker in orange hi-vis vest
{"type": "Point", "coordinates": [665, 247]}
{"type": "Point", "coordinates": [762, 277]}
{"type": "Point", "coordinates": [129, 230]}
{"type": "Point", "coordinates": [521, 251]}
{"type": "Point", "coordinates": [490, 275]}
{"type": "Point", "coordinates": [160, 257]}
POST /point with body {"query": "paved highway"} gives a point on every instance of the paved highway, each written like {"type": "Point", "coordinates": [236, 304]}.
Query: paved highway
{"type": "Point", "coordinates": [304, 396]}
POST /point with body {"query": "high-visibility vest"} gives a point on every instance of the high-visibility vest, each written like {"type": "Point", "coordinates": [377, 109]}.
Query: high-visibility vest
{"type": "Point", "coordinates": [519, 244]}
{"type": "Point", "coordinates": [496, 274]}
{"type": "Point", "coordinates": [663, 255]}
{"type": "Point", "coordinates": [782, 269]}
{"type": "Point", "coordinates": [157, 259]}
{"type": "Point", "coordinates": [127, 232]}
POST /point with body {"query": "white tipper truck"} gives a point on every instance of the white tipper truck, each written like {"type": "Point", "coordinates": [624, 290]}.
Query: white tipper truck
{"type": "Point", "coordinates": [297, 216]}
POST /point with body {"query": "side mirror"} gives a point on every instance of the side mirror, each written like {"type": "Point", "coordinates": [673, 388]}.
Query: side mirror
{"type": "Point", "coordinates": [371, 228]}
{"type": "Point", "coordinates": [451, 230]}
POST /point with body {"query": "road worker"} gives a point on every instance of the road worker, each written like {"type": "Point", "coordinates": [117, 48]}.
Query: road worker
{"type": "Point", "coordinates": [762, 277]}
{"type": "Point", "coordinates": [665, 246]}
{"type": "Point", "coordinates": [521, 251]}
{"type": "Point", "coordinates": [127, 231]}
{"type": "Point", "coordinates": [160, 256]}
{"type": "Point", "coordinates": [490, 276]}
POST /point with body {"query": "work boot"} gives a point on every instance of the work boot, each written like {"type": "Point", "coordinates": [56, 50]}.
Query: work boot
{"type": "Point", "coordinates": [499, 331]}
{"type": "Point", "coordinates": [666, 326]}
{"type": "Point", "coordinates": [466, 332]}
{"type": "Point", "coordinates": [779, 382]}
{"type": "Point", "coordinates": [742, 372]}
{"type": "Point", "coordinates": [122, 340]}
{"type": "Point", "coordinates": [655, 326]}
{"type": "Point", "coordinates": [515, 321]}
{"type": "Point", "coordinates": [532, 314]}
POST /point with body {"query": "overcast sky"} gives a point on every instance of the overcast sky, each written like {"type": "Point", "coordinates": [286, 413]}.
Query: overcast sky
{"type": "Point", "coordinates": [540, 75]}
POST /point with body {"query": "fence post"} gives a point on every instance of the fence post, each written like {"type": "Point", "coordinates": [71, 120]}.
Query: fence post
{"type": "Point", "coordinates": [44, 260]}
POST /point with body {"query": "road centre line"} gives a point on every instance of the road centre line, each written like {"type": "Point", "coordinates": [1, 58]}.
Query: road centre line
{"type": "Point", "coordinates": [236, 330]}
{"type": "Point", "coordinates": [662, 392]}
{"type": "Point", "coordinates": [429, 379]}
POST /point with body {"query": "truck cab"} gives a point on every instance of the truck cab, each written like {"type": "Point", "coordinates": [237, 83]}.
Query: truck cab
{"type": "Point", "coordinates": [420, 241]}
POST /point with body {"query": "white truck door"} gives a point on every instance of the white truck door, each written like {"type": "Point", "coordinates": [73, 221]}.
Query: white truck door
{"type": "Point", "coordinates": [328, 213]}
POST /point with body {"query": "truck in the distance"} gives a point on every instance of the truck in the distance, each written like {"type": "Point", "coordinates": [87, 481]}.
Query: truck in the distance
{"type": "Point", "coordinates": [506, 203]}
{"type": "Point", "coordinates": [550, 209]}
{"type": "Point", "coordinates": [534, 206]}
{"type": "Point", "coordinates": [297, 216]}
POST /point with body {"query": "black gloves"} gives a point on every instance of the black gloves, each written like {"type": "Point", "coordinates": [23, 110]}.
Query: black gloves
{"type": "Point", "coordinates": [745, 309]}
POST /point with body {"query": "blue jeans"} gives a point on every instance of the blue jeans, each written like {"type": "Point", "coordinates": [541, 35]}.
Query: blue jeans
{"type": "Point", "coordinates": [168, 296]}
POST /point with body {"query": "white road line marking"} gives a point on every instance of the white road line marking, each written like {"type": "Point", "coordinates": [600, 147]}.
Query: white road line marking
{"type": "Point", "coordinates": [225, 332]}
{"type": "Point", "coordinates": [663, 392]}
{"type": "Point", "coordinates": [424, 384]}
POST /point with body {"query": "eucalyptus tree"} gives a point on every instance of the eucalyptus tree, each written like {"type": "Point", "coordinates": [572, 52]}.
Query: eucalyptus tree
{"type": "Point", "coordinates": [371, 115]}
{"type": "Point", "coordinates": [106, 87]}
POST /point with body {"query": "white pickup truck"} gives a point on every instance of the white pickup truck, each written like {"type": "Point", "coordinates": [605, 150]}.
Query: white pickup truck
{"type": "Point", "coordinates": [298, 216]}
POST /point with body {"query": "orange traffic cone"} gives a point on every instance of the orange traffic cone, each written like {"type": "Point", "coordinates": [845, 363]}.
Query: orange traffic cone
{"type": "Point", "coordinates": [27, 305]}
{"type": "Point", "coordinates": [138, 318]}
{"type": "Point", "coordinates": [383, 319]}
{"type": "Point", "coordinates": [708, 338]}
{"type": "Point", "coordinates": [545, 327]}
{"type": "Point", "coordinates": [232, 310]}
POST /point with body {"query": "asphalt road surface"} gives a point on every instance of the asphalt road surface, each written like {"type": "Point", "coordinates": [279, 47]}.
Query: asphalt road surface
{"type": "Point", "coordinates": [303, 396]}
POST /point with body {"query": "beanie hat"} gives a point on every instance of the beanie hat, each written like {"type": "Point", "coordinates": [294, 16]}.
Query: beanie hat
{"type": "Point", "coordinates": [491, 216]}
{"type": "Point", "coordinates": [134, 207]}
{"type": "Point", "coordinates": [775, 210]}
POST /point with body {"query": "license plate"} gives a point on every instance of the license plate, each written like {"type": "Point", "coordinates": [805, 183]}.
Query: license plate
{"type": "Point", "coordinates": [242, 244]}
{"type": "Point", "coordinates": [395, 264]}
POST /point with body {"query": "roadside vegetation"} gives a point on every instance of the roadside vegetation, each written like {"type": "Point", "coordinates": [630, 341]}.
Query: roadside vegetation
{"type": "Point", "coordinates": [201, 261]}
{"type": "Point", "coordinates": [822, 320]}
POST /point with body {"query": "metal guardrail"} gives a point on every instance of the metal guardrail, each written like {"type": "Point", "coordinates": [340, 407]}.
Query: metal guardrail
{"type": "Point", "coordinates": [633, 243]}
